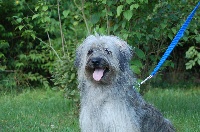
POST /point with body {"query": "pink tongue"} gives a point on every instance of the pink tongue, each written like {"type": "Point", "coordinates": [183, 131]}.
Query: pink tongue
{"type": "Point", "coordinates": [98, 73]}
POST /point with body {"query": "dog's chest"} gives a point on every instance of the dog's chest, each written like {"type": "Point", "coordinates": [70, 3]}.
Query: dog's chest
{"type": "Point", "coordinates": [107, 115]}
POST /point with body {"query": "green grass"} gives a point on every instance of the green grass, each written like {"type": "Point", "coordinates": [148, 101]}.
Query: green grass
{"type": "Point", "coordinates": [49, 111]}
{"type": "Point", "coordinates": [37, 111]}
{"type": "Point", "coordinates": [181, 106]}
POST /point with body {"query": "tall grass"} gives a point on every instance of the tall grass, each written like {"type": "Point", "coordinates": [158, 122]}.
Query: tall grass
{"type": "Point", "coordinates": [49, 111]}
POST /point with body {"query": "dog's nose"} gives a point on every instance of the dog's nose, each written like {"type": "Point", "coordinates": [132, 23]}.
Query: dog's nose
{"type": "Point", "coordinates": [96, 61]}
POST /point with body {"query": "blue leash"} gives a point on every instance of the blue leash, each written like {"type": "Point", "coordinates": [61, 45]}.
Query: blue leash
{"type": "Point", "coordinates": [173, 43]}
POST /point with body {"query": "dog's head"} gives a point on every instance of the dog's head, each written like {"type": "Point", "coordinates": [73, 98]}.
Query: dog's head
{"type": "Point", "coordinates": [102, 57]}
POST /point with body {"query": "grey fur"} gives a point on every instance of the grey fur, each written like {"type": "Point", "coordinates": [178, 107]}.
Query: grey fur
{"type": "Point", "coordinates": [112, 104]}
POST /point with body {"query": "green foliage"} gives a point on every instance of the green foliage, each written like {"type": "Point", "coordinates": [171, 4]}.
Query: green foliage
{"type": "Point", "coordinates": [38, 38]}
{"type": "Point", "coordinates": [24, 59]}
{"type": "Point", "coordinates": [194, 57]}
{"type": "Point", "coordinates": [64, 77]}
{"type": "Point", "coordinates": [35, 38]}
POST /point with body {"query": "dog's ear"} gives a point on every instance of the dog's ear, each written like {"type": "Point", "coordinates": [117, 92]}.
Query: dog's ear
{"type": "Point", "coordinates": [124, 59]}
{"type": "Point", "coordinates": [125, 54]}
{"type": "Point", "coordinates": [124, 48]}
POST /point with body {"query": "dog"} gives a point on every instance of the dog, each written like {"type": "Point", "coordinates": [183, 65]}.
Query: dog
{"type": "Point", "coordinates": [109, 100]}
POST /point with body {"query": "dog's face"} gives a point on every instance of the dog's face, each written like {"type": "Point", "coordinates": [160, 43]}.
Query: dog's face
{"type": "Point", "coordinates": [100, 66]}
{"type": "Point", "coordinates": [102, 58]}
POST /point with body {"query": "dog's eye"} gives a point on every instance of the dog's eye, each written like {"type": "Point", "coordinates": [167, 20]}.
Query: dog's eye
{"type": "Point", "coordinates": [90, 52]}
{"type": "Point", "coordinates": [107, 51]}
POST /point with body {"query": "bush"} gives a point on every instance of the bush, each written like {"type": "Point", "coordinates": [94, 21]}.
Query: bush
{"type": "Point", "coordinates": [38, 39]}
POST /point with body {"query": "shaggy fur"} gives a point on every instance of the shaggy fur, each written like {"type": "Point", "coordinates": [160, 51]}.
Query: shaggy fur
{"type": "Point", "coordinates": [109, 101]}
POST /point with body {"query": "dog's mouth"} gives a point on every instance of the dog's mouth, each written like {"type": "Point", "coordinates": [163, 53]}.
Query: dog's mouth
{"type": "Point", "coordinates": [98, 69]}
{"type": "Point", "coordinates": [99, 73]}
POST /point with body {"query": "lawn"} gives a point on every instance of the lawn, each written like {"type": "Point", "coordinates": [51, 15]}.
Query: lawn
{"type": "Point", "coordinates": [181, 106]}
{"type": "Point", "coordinates": [40, 110]}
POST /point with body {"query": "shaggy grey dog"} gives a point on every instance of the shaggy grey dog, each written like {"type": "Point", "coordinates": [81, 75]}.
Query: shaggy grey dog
{"type": "Point", "coordinates": [109, 101]}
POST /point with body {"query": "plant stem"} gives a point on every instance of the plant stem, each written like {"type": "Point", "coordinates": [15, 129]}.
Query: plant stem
{"type": "Point", "coordinates": [50, 45]}
{"type": "Point", "coordinates": [83, 14]}
{"type": "Point", "coordinates": [61, 33]}
{"type": "Point", "coordinates": [108, 23]}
